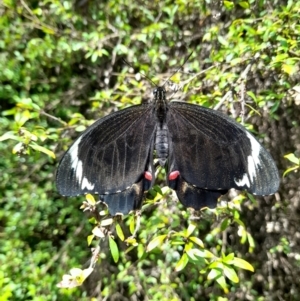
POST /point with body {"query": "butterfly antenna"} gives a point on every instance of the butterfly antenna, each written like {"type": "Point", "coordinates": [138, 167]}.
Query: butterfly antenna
{"type": "Point", "coordinates": [186, 59]}
{"type": "Point", "coordinates": [144, 75]}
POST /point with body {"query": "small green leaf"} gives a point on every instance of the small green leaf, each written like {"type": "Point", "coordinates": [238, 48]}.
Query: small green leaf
{"type": "Point", "coordinates": [228, 259]}
{"type": "Point", "coordinates": [243, 264]}
{"type": "Point", "coordinates": [80, 128]}
{"type": "Point", "coordinates": [90, 199]}
{"type": "Point", "coordinates": [120, 232]}
{"type": "Point", "coordinates": [197, 241]}
{"type": "Point", "coordinates": [190, 229]}
{"type": "Point", "coordinates": [182, 262]}
{"type": "Point", "coordinates": [195, 252]}
{"type": "Point", "coordinates": [214, 273]}
{"type": "Point", "coordinates": [208, 254]}
{"type": "Point", "coordinates": [42, 149]}
{"type": "Point", "coordinates": [223, 41]}
{"type": "Point", "coordinates": [216, 265]}
{"type": "Point", "coordinates": [18, 148]}
{"type": "Point", "coordinates": [132, 225]}
{"type": "Point", "coordinates": [157, 241]}
{"type": "Point", "coordinates": [229, 4]}
{"type": "Point", "coordinates": [230, 273]}
{"type": "Point", "coordinates": [289, 69]}
{"type": "Point", "coordinates": [9, 135]}
{"type": "Point", "coordinates": [291, 157]}
{"type": "Point", "coordinates": [251, 242]}
{"type": "Point", "coordinates": [224, 225]}
{"type": "Point", "coordinates": [21, 117]}
{"type": "Point", "coordinates": [90, 239]}
{"type": "Point", "coordinates": [244, 4]}
{"type": "Point", "coordinates": [114, 249]}
{"type": "Point", "coordinates": [131, 241]}
{"type": "Point", "coordinates": [222, 282]}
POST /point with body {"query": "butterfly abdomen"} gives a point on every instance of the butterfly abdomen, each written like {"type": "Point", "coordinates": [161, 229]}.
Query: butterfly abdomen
{"type": "Point", "coordinates": [162, 144]}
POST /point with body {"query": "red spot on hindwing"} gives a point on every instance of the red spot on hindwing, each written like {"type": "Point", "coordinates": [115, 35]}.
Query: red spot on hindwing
{"type": "Point", "coordinates": [148, 175]}
{"type": "Point", "coordinates": [174, 175]}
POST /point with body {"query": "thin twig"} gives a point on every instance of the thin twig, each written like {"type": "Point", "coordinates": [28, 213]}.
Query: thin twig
{"type": "Point", "coordinates": [53, 117]}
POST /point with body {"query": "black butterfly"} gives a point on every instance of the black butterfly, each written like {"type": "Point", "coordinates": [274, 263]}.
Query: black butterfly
{"type": "Point", "coordinates": [204, 152]}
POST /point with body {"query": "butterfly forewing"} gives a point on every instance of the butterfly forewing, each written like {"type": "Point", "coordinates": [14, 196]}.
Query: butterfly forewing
{"type": "Point", "coordinates": [212, 151]}
{"type": "Point", "coordinates": [110, 156]}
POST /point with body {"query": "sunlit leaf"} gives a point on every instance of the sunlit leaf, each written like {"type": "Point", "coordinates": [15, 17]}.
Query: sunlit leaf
{"type": "Point", "coordinates": [291, 157]}
{"type": "Point", "coordinates": [90, 239]}
{"type": "Point", "coordinates": [243, 264]}
{"type": "Point", "coordinates": [42, 149]}
{"type": "Point", "coordinates": [114, 250]}
{"type": "Point", "coordinates": [222, 282]}
{"type": "Point", "coordinates": [191, 228]}
{"type": "Point", "coordinates": [9, 135]}
{"type": "Point", "coordinates": [197, 241]}
{"type": "Point", "coordinates": [120, 232]}
{"type": "Point", "coordinates": [156, 242]}
{"type": "Point", "coordinates": [90, 199]}
{"type": "Point", "coordinates": [230, 273]}
{"type": "Point", "coordinates": [214, 273]}
{"type": "Point", "coordinates": [182, 262]}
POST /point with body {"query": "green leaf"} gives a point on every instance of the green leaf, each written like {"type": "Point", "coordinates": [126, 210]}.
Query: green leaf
{"type": "Point", "coordinates": [90, 199]}
{"type": "Point", "coordinates": [190, 229]}
{"type": "Point", "coordinates": [114, 249]}
{"type": "Point", "coordinates": [243, 264]}
{"type": "Point", "coordinates": [21, 117]}
{"type": "Point", "coordinates": [216, 265]}
{"type": "Point", "coordinates": [195, 252]}
{"type": "Point", "coordinates": [132, 225]}
{"type": "Point", "coordinates": [90, 239]}
{"type": "Point", "coordinates": [230, 273]}
{"type": "Point", "coordinates": [229, 4]}
{"type": "Point", "coordinates": [182, 262]}
{"type": "Point", "coordinates": [9, 135]}
{"type": "Point", "coordinates": [224, 225]}
{"type": "Point", "coordinates": [208, 254]}
{"type": "Point", "coordinates": [222, 282]}
{"type": "Point", "coordinates": [228, 259]}
{"type": "Point", "coordinates": [157, 241]}
{"type": "Point", "coordinates": [131, 241]}
{"type": "Point", "coordinates": [214, 273]}
{"type": "Point", "coordinates": [244, 4]}
{"type": "Point", "coordinates": [197, 241]}
{"type": "Point", "coordinates": [80, 128]}
{"type": "Point", "coordinates": [223, 41]}
{"type": "Point", "coordinates": [291, 157]}
{"type": "Point", "coordinates": [42, 149]}
{"type": "Point", "coordinates": [289, 69]}
{"type": "Point", "coordinates": [120, 232]}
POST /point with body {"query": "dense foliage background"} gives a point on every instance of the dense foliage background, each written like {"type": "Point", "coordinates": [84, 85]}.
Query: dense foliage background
{"type": "Point", "coordinates": [61, 67]}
